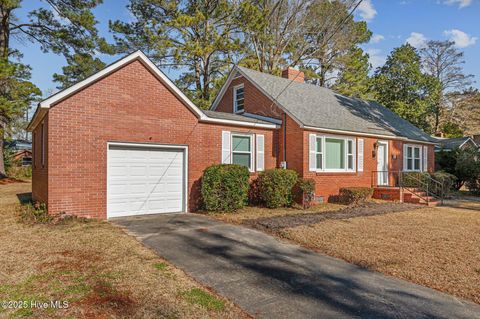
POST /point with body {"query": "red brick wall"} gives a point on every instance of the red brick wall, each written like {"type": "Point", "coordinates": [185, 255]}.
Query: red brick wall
{"type": "Point", "coordinates": [328, 184]}
{"type": "Point", "coordinates": [39, 170]}
{"type": "Point", "coordinates": [130, 105]}
{"type": "Point", "coordinates": [255, 101]}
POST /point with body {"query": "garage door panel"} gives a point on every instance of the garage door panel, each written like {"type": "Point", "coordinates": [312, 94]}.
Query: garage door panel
{"type": "Point", "coordinates": [144, 181]}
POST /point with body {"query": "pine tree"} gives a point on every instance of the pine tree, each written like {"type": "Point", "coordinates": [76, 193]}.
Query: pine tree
{"type": "Point", "coordinates": [353, 79]}
{"type": "Point", "coordinates": [62, 27]}
{"type": "Point", "coordinates": [80, 66]}
{"type": "Point", "coordinates": [401, 86]}
{"type": "Point", "coordinates": [196, 37]}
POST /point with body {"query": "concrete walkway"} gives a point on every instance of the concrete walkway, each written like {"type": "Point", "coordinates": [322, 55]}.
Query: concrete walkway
{"type": "Point", "coordinates": [269, 278]}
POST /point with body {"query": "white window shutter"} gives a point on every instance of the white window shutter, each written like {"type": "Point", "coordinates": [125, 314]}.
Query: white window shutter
{"type": "Point", "coordinates": [425, 158]}
{"type": "Point", "coordinates": [360, 154]}
{"type": "Point", "coordinates": [405, 157]}
{"type": "Point", "coordinates": [312, 153]}
{"type": "Point", "coordinates": [226, 148]}
{"type": "Point", "coordinates": [260, 152]}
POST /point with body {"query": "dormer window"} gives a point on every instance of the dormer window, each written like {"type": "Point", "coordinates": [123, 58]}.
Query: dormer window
{"type": "Point", "coordinates": [238, 99]}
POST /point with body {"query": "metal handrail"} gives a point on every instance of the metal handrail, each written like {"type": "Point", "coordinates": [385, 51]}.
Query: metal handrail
{"type": "Point", "coordinates": [430, 186]}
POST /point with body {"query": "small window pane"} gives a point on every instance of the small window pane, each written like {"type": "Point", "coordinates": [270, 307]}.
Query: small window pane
{"type": "Point", "coordinates": [417, 152]}
{"type": "Point", "coordinates": [350, 147]}
{"type": "Point", "coordinates": [350, 161]}
{"type": "Point", "coordinates": [409, 152]}
{"type": "Point", "coordinates": [241, 159]}
{"type": "Point", "coordinates": [417, 164]}
{"type": "Point", "coordinates": [409, 164]}
{"type": "Point", "coordinates": [239, 98]}
{"type": "Point", "coordinates": [319, 161]}
{"type": "Point", "coordinates": [335, 153]}
{"type": "Point", "coordinates": [241, 143]}
{"type": "Point", "coordinates": [319, 145]}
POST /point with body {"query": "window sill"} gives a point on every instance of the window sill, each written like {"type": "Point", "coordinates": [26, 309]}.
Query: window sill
{"type": "Point", "coordinates": [327, 173]}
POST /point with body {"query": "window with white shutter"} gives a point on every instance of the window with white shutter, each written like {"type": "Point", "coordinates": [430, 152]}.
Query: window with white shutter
{"type": "Point", "coordinates": [226, 148]}
{"type": "Point", "coordinates": [312, 161]}
{"type": "Point", "coordinates": [360, 154]}
{"type": "Point", "coordinates": [260, 152]}
{"type": "Point", "coordinates": [425, 158]}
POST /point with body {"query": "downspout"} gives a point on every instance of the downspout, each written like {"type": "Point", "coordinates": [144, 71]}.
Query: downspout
{"type": "Point", "coordinates": [285, 140]}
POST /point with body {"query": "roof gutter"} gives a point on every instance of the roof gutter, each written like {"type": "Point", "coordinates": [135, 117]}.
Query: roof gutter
{"type": "Point", "coordinates": [238, 123]}
{"type": "Point", "coordinates": [365, 134]}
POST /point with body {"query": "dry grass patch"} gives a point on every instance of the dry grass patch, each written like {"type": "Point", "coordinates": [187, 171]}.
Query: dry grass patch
{"type": "Point", "coordinates": [96, 267]}
{"type": "Point", "coordinates": [249, 213]}
{"type": "Point", "coordinates": [434, 247]}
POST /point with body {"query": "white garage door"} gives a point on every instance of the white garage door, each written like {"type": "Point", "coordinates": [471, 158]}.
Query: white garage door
{"type": "Point", "coordinates": [144, 180]}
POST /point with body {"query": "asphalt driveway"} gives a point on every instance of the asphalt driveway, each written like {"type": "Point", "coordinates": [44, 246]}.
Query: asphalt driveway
{"type": "Point", "coordinates": [272, 279]}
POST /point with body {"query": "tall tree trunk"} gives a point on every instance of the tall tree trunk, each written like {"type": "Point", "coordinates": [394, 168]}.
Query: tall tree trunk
{"type": "Point", "coordinates": [4, 32]}
{"type": "Point", "coordinates": [3, 173]}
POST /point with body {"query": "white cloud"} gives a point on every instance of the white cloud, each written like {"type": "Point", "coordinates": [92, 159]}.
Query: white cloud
{"type": "Point", "coordinates": [461, 39]}
{"type": "Point", "coordinates": [376, 57]}
{"type": "Point", "coordinates": [417, 40]}
{"type": "Point", "coordinates": [366, 10]}
{"type": "Point", "coordinates": [377, 38]}
{"type": "Point", "coordinates": [461, 3]}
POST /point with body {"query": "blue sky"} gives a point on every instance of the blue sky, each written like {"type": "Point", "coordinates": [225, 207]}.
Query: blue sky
{"type": "Point", "coordinates": [393, 22]}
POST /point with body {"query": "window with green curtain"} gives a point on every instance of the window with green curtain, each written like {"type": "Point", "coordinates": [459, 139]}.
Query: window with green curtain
{"type": "Point", "coordinates": [334, 153]}
{"type": "Point", "coordinates": [241, 150]}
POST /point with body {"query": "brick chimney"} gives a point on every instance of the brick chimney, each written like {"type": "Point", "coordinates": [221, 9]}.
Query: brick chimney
{"type": "Point", "coordinates": [293, 74]}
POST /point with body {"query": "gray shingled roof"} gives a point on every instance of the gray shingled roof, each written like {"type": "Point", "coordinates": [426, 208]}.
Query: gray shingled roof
{"type": "Point", "coordinates": [323, 108]}
{"type": "Point", "coordinates": [233, 117]}
{"type": "Point", "coordinates": [452, 143]}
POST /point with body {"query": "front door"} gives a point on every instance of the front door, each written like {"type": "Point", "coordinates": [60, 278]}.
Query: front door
{"type": "Point", "coordinates": [382, 165]}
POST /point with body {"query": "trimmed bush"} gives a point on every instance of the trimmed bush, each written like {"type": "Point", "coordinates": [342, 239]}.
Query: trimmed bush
{"type": "Point", "coordinates": [275, 187]}
{"type": "Point", "coordinates": [422, 180]}
{"type": "Point", "coordinates": [448, 180]}
{"type": "Point", "coordinates": [414, 179]}
{"type": "Point", "coordinates": [305, 191]}
{"type": "Point", "coordinates": [355, 195]}
{"type": "Point", "coordinates": [225, 187]}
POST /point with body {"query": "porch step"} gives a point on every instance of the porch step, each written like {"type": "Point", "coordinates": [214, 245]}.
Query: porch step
{"type": "Point", "coordinates": [424, 200]}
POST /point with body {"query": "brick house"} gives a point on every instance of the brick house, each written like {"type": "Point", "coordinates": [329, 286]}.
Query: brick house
{"type": "Point", "coordinates": [127, 141]}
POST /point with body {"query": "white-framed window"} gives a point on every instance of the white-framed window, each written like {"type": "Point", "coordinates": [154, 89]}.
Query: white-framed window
{"type": "Point", "coordinates": [242, 150]}
{"type": "Point", "coordinates": [413, 158]}
{"type": "Point", "coordinates": [43, 144]}
{"type": "Point", "coordinates": [238, 98]}
{"type": "Point", "coordinates": [334, 154]}
{"type": "Point", "coordinates": [34, 144]}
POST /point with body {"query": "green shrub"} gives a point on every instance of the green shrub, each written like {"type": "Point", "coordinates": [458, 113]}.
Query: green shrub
{"type": "Point", "coordinates": [36, 213]}
{"type": "Point", "coordinates": [305, 191]}
{"type": "Point", "coordinates": [275, 187]}
{"type": "Point", "coordinates": [414, 179]}
{"type": "Point", "coordinates": [20, 172]}
{"type": "Point", "coordinates": [448, 181]}
{"type": "Point", "coordinates": [225, 187]}
{"type": "Point", "coordinates": [355, 195]}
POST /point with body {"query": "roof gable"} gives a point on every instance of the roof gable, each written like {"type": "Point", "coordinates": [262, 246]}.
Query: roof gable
{"type": "Point", "coordinates": [146, 62]}
{"type": "Point", "coordinates": [44, 105]}
{"type": "Point", "coordinates": [317, 107]}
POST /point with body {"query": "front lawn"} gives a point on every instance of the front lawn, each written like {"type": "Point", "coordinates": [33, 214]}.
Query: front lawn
{"type": "Point", "coordinates": [96, 268]}
{"type": "Point", "coordinates": [434, 247]}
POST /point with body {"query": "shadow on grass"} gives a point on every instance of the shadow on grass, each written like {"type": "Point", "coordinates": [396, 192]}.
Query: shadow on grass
{"type": "Point", "coordinates": [24, 198]}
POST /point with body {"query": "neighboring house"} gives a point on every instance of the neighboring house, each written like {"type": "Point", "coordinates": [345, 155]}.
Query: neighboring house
{"type": "Point", "coordinates": [449, 144]}
{"type": "Point", "coordinates": [127, 141]}
{"type": "Point", "coordinates": [476, 139]}
{"type": "Point", "coordinates": [22, 152]}
{"type": "Point", "coordinates": [23, 157]}
{"type": "Point", "coordinates": [19, 145]}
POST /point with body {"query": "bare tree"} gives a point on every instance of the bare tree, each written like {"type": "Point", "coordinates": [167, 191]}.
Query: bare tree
{"type": "Point", "coordinates": [442, 60]}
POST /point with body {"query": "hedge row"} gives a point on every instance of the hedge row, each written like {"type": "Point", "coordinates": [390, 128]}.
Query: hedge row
{"type": "Point", "coordinates": [227, 188]}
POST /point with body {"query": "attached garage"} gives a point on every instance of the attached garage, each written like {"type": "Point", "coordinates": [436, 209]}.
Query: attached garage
{"type": "Point", "coordinates": [146, 179]}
